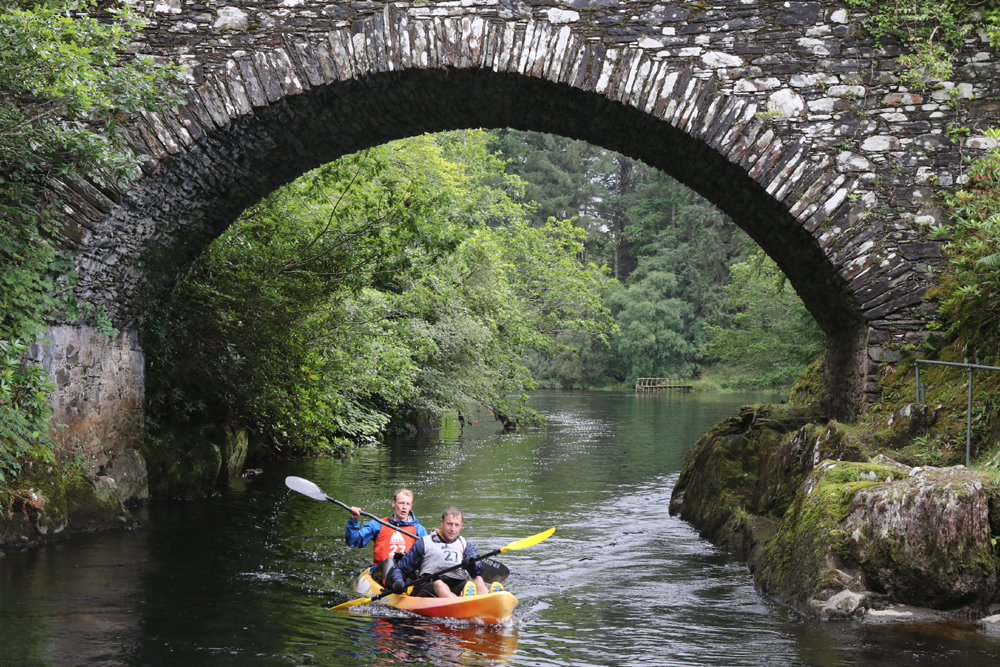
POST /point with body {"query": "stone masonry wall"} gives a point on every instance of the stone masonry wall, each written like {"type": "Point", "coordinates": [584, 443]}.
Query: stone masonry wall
{"type": "Point", "coordinates": [100, 390]}
{"type": "Point", "coordinates": [784, 114]}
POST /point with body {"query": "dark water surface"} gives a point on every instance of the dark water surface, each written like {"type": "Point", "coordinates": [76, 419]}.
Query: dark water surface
{"type": "Point", "coordinates": [241, 579]}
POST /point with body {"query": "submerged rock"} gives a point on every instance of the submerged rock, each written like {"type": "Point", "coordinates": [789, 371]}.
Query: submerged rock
{"type": "Point", "coordinates": [990, 625]}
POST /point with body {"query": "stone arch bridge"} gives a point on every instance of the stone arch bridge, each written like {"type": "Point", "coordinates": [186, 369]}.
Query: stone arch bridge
{"type": "Point", "coordinates": [783, 114]}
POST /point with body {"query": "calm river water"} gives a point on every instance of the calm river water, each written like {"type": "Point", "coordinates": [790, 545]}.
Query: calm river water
{"type": "Point", "coordinates": [242, 578]}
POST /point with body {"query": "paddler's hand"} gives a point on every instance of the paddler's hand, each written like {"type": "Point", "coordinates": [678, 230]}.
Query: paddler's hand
{"type": "Point", "coordinates": [471, 566]}
{"type": "Point", "coordinates": [397, 587]}
{"type": "Point", "coordinates": [355, 513]}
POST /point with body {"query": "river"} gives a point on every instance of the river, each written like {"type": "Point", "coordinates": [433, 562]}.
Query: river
{"type": "Point", "coordinates": [243, 578]}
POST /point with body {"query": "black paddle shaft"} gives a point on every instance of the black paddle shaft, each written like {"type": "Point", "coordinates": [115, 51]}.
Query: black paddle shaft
{"type": "Point", "coordinates": [372, 516]}
{"type": "Point", "coordinates": [431, 576]}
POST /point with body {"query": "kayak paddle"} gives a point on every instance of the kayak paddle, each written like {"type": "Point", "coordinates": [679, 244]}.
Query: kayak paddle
{"type": "Point", "coordinates": [307, 488]}
{"type": "Point", "coordinates": [518, 544]}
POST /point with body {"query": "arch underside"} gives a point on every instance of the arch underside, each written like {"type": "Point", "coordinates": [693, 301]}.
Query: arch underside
{"type": "Point", "coordinates": [194, 196]}
{"type": "Point", "coordinates": [188, 198]}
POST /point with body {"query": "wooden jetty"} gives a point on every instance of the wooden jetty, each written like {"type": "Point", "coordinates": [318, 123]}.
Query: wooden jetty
{"type": "Point", "coordinates": [651, 385]}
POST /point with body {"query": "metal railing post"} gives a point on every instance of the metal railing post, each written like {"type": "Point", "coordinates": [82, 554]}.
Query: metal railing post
{"type": "Point", "coordinates": [968, 423]}
{"type": "Point", "coordinates": [921, 392]}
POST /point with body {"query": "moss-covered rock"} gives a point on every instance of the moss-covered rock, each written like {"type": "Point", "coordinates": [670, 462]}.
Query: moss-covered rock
{"type": "Point", "coordinates": [808, 388]}
{"type": "Point", "coordinates": [885, 534]}
{"type": "Point", "coordinates": [910, 421]}
{"type": "Point", "coordinates": [234, 446]}
{"type": "Point", "coordinates": [925, 539]}
{"type": "Point", "coordinates": [47, 500]}
{"type": "Point", "coordinates": [93, 504]}
{"type": "Point", "coordinates": [128, 470]}
{"type": "Point", "coordinates": [752, 466]}
{"type": "Point", "coordinates": [832, 530]}
{"type": "Point", "coordinates": [803, 562]}
{"type": "Point", "coordinates": [185, 461]}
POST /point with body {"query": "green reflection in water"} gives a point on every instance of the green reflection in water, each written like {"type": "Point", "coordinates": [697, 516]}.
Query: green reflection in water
{"type": "Point", "coordinates": [242, 578]}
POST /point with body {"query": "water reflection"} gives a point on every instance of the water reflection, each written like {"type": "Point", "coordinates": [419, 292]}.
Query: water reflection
{"type": "Point", "coordinates": [72, 602]}
{"type": "Point", "coordinates": [246, 578]}
{"type": "Point", "coordinates": [395, 641]}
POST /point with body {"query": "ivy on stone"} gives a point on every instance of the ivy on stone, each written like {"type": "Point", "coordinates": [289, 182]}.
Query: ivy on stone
{"type": "Point", "coordinates": [932, 29]}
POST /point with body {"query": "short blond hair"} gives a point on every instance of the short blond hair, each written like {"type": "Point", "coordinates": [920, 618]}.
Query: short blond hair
{"type": "Point", "coordinates": [405, 492]}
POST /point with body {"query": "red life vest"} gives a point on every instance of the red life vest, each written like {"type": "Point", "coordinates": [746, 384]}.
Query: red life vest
{"type": "Point", "coordinates": [390, 542]}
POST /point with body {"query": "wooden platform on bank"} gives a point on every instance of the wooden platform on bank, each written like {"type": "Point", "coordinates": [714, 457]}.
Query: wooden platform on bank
{"type": "Point", "coordinates": [653, 385]}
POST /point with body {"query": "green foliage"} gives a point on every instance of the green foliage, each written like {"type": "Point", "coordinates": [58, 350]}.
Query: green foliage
{"type": "Point", "coordinates": [24, 409]}
{"type": "Point", "coordinates": [671, 251]}
{"type": "Point", "coordinates": [400, 279]}
{"type": "Point", "coordinates": [506, 292]}
{"type": "Point", "coordinates": [654, 325]}
{"type": "Point", "coordinates": [66, 83]}
{"type": "Point", "coordinates": [969, 295]}
{"type": "Point", "coordinates": [773, 338]}
{"type": "Point", "coordinates": [932, 29]}
{"type": "Point", "coordinates": [674, 230]}
{"type": "Point", "coordinates": [682, 248]}
{"type": "Point", "coordinates": [625, 182]}
{"type": "Point", "coordinates": [560, 175]}
{"type": "Point", "coordinates": [669, 247]}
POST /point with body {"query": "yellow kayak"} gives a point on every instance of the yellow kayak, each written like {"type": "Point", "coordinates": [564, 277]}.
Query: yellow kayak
{"type": "Point", "coordinates": [490, 608]}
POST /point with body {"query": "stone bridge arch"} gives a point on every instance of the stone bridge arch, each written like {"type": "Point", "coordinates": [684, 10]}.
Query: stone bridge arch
{"type": "Point", "coordinates": [777, 112]}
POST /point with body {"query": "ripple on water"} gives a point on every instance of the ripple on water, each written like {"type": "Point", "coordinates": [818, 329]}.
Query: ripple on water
{"type": "Point", "coordinates": [246, 579]}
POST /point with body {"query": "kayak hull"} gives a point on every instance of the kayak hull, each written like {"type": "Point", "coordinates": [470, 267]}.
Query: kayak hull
{"type": "Point", "coordinates": [491, 608]}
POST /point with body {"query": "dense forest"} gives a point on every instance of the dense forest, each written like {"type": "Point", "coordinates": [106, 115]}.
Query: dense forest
{"type": "Point", "coordinates": [690, 293]}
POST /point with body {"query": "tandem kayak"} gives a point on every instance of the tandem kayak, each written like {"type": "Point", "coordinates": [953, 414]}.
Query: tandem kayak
{"type": "Point", "coordinates": [491, 608]}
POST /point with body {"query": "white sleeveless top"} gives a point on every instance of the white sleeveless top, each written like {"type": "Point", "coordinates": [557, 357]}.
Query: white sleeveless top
{"type": "Point", "coordinates": [440, 555]}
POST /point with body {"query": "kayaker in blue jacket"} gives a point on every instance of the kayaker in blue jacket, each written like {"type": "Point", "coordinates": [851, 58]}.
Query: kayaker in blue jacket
{"type": "Point", "coordinates": [388, 542]}
{"type": "Point", "coordinates": [438, 551]}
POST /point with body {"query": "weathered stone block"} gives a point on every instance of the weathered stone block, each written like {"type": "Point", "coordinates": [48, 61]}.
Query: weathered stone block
{"type": "Point", "coordinates": [128, 470]}
{"type": "Point", "coordinates": [100, 390]}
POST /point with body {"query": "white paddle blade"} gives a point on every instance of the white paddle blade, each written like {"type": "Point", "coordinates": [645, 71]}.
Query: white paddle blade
{"type": "Point", "coordinates": [305, 487]}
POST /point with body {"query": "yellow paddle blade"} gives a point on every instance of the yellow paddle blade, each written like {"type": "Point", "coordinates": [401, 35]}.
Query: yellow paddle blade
{"type": "Point", "coordinates": [351, 603]}
{"type": "Point", "coordinates": [528, 541]}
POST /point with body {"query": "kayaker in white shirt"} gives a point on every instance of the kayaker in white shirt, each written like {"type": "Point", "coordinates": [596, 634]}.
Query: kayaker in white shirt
{"type": "Point", "coordinates": [442, 548]}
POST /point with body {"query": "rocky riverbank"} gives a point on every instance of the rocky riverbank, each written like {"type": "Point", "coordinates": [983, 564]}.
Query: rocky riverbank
{"type": "Point", "coordinates": [48, 501]}
{"type": "Point", "coordinates": [835, 530]}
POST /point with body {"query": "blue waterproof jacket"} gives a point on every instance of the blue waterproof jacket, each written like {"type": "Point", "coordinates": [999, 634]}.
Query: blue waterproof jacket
{"type": "Point", "coordinates": [357, 535]}
{"type": "Point", "coordinates": [408, 569]}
